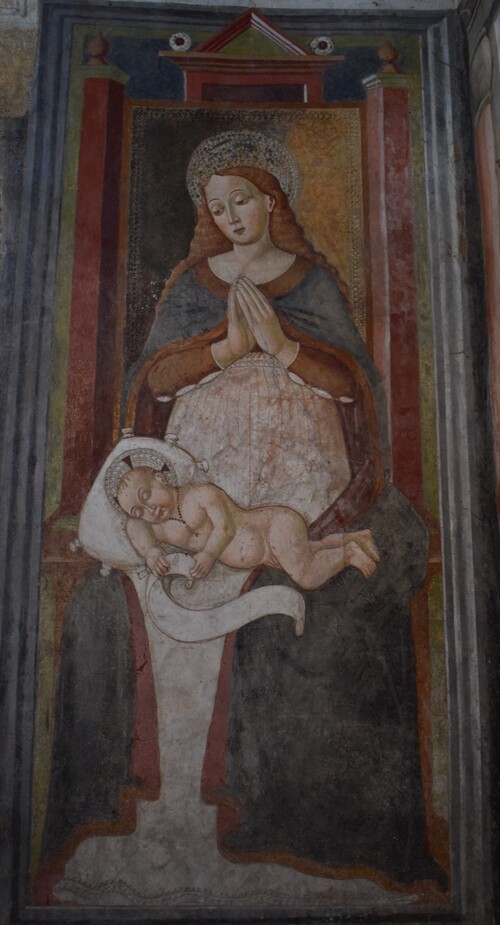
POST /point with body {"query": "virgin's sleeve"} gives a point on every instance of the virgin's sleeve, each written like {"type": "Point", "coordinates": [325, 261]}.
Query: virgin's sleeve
{"type": "Point", "coordinates": [342, 378]}
{"type": "Point", "coordinates": [324, 372]}
{"type": "Point", "coordinates": [318, 308]}
{"type": "Point", "coordinates": [334, 318]}
{"type": "Point", "coordinates": [161, 333]}
{"type": "Point", "coordinates": [365, 462]}
{"type": "Point", "coordinates": [177, 317]}
{"type": "Point", "coordinates": [176, 370]}
{"type": "Point", "coordinates": [334, 358]}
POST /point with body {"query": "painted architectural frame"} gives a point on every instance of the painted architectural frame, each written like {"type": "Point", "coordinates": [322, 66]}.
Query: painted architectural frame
{"type": "Point", "coordinates": [379, 128]}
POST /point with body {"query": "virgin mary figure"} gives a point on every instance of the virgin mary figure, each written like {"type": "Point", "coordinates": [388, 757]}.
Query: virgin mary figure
{"type": "Point", "coordinates": [254, 361]}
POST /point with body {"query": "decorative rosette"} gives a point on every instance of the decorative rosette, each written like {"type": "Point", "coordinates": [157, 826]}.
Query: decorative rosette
{"type": "Point", "coordinates": [180, 41]}
{"type": "Point", "coordinates": [322, 45]}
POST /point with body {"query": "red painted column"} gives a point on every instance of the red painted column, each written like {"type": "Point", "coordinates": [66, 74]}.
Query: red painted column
{"type": "Point", "coordinates": [394, 278]}
{"type": "Point", "coordinates": [490, 217]}
{"type": "Point", "coordinates": [91, 361]}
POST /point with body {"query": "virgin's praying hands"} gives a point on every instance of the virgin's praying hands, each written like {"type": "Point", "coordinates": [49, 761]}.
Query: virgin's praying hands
{"type": "Point", "coordinates": [263, 322]}
{"type": "Point", "coordinates": [239, 340]}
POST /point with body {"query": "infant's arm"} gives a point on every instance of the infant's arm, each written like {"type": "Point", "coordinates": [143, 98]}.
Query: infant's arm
{"type": "Point", "coordinates": [145, 543]}
{"type": "Point", "coordinates": [218, 508]}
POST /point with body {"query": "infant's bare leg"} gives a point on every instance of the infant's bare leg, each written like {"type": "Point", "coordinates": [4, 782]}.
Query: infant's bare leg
{"type": "Point", "coordinates": [357, 557]}
{"type": "Point", "coordinates": [332, 541]}
{"type": "Point", "coordinates": [363, 538]}
{"type": "Point", "coordinates": [310, 568]}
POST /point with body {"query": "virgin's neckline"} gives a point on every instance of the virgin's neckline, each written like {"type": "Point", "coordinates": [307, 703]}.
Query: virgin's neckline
{"type": "Point", "coordinates": [282, 284]}
{"type": "Point", "coordinates": [291, 258]}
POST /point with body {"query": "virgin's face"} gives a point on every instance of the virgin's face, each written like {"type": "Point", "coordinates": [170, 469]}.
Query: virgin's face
{"type": "Point", "coordinates": [238, 208]}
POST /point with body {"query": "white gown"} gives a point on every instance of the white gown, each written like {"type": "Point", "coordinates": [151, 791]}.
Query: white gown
{"type": "Point", "coordinates": [267, 438]}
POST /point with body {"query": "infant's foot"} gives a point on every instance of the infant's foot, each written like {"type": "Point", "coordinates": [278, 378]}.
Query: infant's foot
{"type": "Point", "coordinates": [365, 541]}
{"type": "Point", "coordinates": [358, 558]}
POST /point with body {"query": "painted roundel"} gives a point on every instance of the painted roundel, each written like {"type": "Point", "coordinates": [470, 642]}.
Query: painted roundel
{"type": "Point", "coordinates": [322, 45]}
{"type": "Point", "coordinates": [180, 41]}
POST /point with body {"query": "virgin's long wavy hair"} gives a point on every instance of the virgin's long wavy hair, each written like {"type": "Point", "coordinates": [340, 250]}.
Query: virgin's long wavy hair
{"type": "Point", "coordinates": [285, 231]}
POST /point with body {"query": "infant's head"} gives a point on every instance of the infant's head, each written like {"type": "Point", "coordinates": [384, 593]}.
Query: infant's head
{"type": "Point", "coordinates": [147, 494]}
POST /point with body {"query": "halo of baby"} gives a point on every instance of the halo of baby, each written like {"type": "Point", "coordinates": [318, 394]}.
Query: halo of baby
{"type": "Point", "coordinates": [202, 520]}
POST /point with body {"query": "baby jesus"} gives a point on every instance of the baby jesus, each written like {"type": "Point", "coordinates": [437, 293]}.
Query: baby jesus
{"type": "Point", "coordinates": [204, 521]}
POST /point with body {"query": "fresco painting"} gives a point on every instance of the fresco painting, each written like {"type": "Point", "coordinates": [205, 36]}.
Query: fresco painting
{"type": "Point", "coordinates": [242, 703]}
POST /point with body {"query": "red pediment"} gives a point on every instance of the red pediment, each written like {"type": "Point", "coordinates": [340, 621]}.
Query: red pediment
{"type": "Point", "coordinates": [245, 29]}
{"type": "Point", "coordinates": [251, 61]}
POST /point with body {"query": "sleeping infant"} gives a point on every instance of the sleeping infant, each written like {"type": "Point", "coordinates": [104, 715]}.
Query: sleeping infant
{"type": "Point", "coordinates": [205, 522]}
